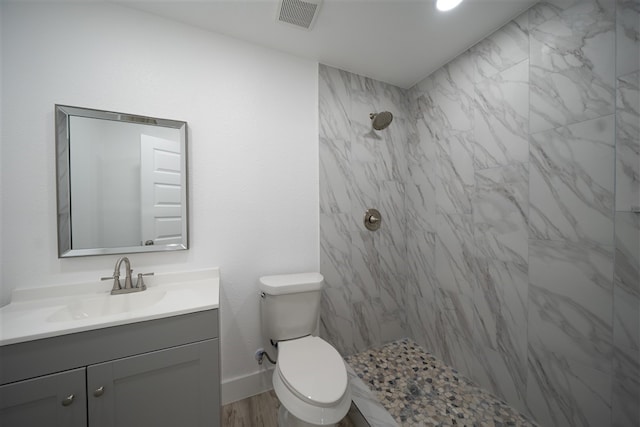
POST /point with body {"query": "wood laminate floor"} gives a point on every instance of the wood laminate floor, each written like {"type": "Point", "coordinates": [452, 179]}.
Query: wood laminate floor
{"type": "Point", "coordinates": [257, 411]}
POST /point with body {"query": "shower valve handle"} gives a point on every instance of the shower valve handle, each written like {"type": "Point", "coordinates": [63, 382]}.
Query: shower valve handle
{"type": "Point", "coordinates": [372, 219]}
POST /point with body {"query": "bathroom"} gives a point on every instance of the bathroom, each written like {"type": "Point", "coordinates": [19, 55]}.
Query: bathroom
{"type": "Point", "coordinates": [277, 144]}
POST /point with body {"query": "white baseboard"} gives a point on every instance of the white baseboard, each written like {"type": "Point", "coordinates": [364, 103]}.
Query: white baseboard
{"type": "Point", "coordinates": [239, 388]}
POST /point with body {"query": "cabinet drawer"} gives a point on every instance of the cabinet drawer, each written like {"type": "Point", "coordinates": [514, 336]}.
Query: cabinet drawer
{"type": "Point", "coordinates": [41, 357]}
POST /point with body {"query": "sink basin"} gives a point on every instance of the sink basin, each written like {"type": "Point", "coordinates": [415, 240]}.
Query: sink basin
{"type": "Point", "coordinates": [106, 305]}
{"type": "Point", "coordinates": [49, 311]}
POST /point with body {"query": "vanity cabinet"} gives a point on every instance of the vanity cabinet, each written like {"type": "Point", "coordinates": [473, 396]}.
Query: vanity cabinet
{"type": "Point", "coordinates": [166, 388]}
{"type": "Point", "coordinates": [57, 400]}
{"type": "Point", "coordinates": [163, 372]}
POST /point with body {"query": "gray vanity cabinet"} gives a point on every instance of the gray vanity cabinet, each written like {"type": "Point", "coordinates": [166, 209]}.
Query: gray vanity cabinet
{"type": "Point", "coordinates": [57, 400]}
{"type": "Point", "coordinates": [163, 372]}
{"type": "Point", "coordinates": [165, 388]}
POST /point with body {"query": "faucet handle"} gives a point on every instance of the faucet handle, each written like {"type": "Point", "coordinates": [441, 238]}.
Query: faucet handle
{"type": "Point", "coordinates": [140, 282]}
{"type": "Point", "coordinates": [116, 282]}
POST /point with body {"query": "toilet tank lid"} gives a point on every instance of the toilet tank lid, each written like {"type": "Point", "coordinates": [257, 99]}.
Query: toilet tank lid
{"type": "Point", "coordinates": [289, 283]}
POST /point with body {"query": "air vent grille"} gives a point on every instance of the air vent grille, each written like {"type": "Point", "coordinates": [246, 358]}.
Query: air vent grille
{"type": "Point", "coordinates": [299, 13]}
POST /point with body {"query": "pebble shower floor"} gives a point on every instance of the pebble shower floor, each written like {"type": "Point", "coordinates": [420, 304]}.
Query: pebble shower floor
{"type": "Point", "coordinates": [419, 390]}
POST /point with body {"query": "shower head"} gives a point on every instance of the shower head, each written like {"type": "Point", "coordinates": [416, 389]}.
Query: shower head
{"type": "Point", "coordinates": [381, 120]}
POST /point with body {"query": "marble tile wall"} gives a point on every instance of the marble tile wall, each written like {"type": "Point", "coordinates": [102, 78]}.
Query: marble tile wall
{"type": "Point", "coordinates": [365, 272]}
{"type": "Point", "coordinates": [523, 180]}
{"type": "Point", "coordinates": [625, 395]}
{"type": "Point", "coordinates": [510, 179]}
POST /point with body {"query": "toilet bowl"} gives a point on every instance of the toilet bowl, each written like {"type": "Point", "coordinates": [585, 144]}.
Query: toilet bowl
{"type": "Point", "coordinates": [311, 383]}
{"type": "Point", "coordinates": [310, 378]}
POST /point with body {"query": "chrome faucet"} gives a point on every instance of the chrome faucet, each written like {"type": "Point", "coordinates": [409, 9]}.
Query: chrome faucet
{"type": "Point", "coordinates": [128, 285]}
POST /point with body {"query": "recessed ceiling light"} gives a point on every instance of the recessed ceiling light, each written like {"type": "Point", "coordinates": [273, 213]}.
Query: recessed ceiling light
{"type": "Point", "coordinates": [445, 5]}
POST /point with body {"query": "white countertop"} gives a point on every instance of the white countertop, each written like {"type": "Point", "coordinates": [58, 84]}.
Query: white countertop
{"type": "Point", "coordinates": [36, 313]}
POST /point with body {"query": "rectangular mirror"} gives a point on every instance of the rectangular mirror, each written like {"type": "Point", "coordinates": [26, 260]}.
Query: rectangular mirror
{"type": "Point", "coordinates": [121, 183]}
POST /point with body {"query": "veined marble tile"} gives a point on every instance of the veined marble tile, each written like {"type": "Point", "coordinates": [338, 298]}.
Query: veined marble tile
{"type": "Point", "coordinates": [333, 104]}
{"type": "Point", "coordinates": [421, 260]}
{"type": "Point", "coordinates": [627, 36]}
{"type": "Point", "coordinates": [626, 304]}
{"type": "Point", "coordinates": [421, 172]}
{"type": "Point", "coordinates": [392, 256]}
{"type": "Point", "coordinates": [368, 405]}
{"type": "Point", "coordinates": [571, 183]}
{"type": "Point", "coordinates": [335, 250]}
{"type": "Point", "coordinates": [502, 49]}
{"type": "Point", "coordinates": [422, 315]}
{"type": "Point", "coordinates": [500, 303]}
{"type": "Point", "coordinates": [365, 145]}
{"type": "Point", "coordinates": [429, 119]}
{"type": "Point", "coordinates": [364, 261]}
{"type": "Point", "coordinates": [502, 375]}
{"type": "Point", "coordinates": [337, 324]}
{"type": "Point", "coordinates": [572, 66]}
{"type": "Point", "coordinates": [422, 149]}
{"type": "Point", "coordinates": [500, 213]}
{"type": "Point", "coordinates": [367, 141]}
{"type": "Point", "coordinates": [542, 12]}
{"type": "Point", "coordinates": [387, 97]}
{"type": "Point", "coordinates": [455, 254]}
{"type": "Point", "coordinates": [626, 320]}
{"type": "Point", "coordinates": [628, 142]}
{"type": "Point", "coordinates": [367, 322]}
{"type": "Point", "coordinates": [565, 393]}
{"type": "Point", "coordinates": [452, 95]}
{"type": "Point", "coordinates": [391, 152]}
{"type": "Point", "coordinates": [500, 330]}
{"type": "Point", "coordinates": [394, 99]}
{"type": "Point", "coordinates": [364, 191]}
{"type": "Point", "coordinates": [454, 330]}
{"type": "Point", "coordinates": [420, 205]}
{"type": "Point", "coordinates": [391, 206]}
{"type": "Point", "coordinates": [501, 123]}
{"type": "Point", "coordinates": [570, 302]}
{"type": "Point", "coordinates": [455, 174]}
{"type": "Point", "coordinates": [420, 184]}
{"type": "Point", "coordinates": [335, 176]}
{"type": "Point", "coordinates": [377, 323]}
{"type": "Point", "coordinates": [628, 251]}
{"type": "Point", "coordinates": [626, 388]}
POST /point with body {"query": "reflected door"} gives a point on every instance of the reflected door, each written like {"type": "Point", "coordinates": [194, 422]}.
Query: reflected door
{"type": "Point", "coordinates": [160, 191]}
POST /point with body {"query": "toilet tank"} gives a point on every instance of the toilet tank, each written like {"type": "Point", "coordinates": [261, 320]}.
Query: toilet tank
{"type": "Point", "coordinates": [290, 305]}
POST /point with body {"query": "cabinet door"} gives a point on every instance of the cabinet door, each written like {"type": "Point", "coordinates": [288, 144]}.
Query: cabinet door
{"type": "Point", "coordinates": [52, 400]}
{"type": "Point", "coordinates": [179, 386]}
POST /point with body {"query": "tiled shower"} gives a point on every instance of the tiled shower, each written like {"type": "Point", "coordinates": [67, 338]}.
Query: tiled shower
{"type": "Point", "coordinates": [507, 184]}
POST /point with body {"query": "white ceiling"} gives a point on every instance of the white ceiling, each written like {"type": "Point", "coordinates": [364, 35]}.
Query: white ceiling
{"type": "Point", "coordinates": [395, 41]}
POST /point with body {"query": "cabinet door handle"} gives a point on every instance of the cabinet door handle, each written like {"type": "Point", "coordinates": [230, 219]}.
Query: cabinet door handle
{"type": "Point", "coordinates": [99, 391]}
{"type": "Point", "coordinates": [68, 400]}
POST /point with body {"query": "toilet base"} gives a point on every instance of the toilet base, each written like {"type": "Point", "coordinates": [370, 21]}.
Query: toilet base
{"type": "Point", "coordinates": [287, 419]}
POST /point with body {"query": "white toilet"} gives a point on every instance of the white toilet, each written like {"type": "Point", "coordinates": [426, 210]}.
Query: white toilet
{"type": "Point", "coordinates": [310, 378]}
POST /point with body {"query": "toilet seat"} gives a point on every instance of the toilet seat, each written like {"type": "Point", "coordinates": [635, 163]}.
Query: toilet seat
{"type": "Point", "coordinates": [313, 370]}
{"type": "Point", "coordinates": [311, 380]}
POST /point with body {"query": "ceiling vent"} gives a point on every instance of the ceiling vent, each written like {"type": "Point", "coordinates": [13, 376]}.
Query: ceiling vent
{"type": "Point", "coordinates": [300, 13]}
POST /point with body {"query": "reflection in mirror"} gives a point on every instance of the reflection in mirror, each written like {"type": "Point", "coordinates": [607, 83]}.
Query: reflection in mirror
{"type": "Point", "coordinates": [121, 183]}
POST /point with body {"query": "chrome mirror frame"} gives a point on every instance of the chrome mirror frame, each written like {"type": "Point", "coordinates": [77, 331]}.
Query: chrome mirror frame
{"type": "Point", "coordinates": [63, 113]}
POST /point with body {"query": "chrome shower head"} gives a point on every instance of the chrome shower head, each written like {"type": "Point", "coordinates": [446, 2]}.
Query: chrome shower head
{"type": "Point", "coordinates": [381, 120]}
